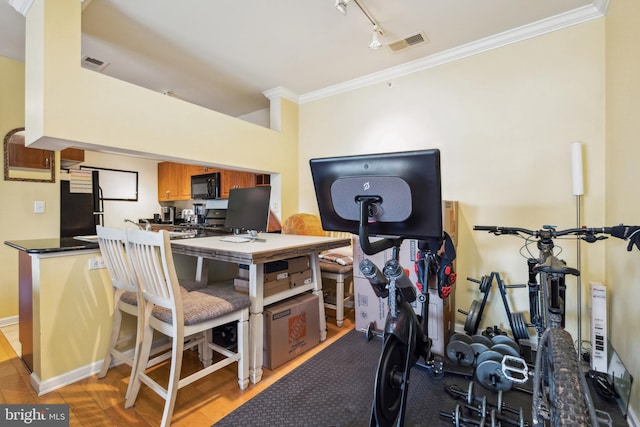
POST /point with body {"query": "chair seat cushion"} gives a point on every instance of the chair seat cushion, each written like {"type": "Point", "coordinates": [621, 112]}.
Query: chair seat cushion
{"type": "Point", "coordinates": [336, 258]}
{"type": "Point", "coordinates": [206, 303]}
{"type": "Point", "coordinates": [334, 267]}
{"type": "Point", "coordinates": [129, 297]}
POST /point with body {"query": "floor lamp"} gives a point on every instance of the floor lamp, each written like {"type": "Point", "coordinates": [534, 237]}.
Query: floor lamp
{"type": "Point", "coordinates": [578, 191]}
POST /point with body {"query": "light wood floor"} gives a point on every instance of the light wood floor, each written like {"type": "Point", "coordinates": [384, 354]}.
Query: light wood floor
{"type": "Point", "coordinates": [95, 402]}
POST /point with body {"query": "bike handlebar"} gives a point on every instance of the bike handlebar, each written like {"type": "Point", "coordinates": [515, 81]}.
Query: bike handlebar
{"type": "Point", "coordinates": [624, 232]}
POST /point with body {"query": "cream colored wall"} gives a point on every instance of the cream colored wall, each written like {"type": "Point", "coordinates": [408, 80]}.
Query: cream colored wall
{"type": "Point", "coordinates": [623, 174]}
{"type": "Point", "coordinates": [17, 220]}
{"type": "Point", "coordinates": [72, 314]}
{"type": "Point", "coordinates": [503, 121]}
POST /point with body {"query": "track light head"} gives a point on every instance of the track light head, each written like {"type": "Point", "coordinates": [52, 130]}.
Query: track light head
{"type": "Point", "coordinates": [375, 42]}
{"type": "Point", "coordinates": [341, 5]}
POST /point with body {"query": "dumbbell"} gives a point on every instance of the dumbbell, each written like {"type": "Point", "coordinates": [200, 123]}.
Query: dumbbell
{"type": "Point", "coordinates": [459, 350]}
{"type": "Point", "coordinates": [481, 408]}
{"type": "Point", "coordinates": [459, 420]}
{"type": "Point", "coordinates": [371, 331]}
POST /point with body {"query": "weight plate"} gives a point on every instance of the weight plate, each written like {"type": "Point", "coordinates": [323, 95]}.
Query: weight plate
{"type": "Point", "coordinates": [489, 355]}
{"type": "Point", "coordinates": [478, 348]}
{"type": "Point", "coordinates": [485, 284]}
{"type": "Point", "coordinates": [520, 330]}
{"type": "Point", "coordinates": [461, 353]}
{"type": "Point", "coordinates": [489, 374]}
{"type": "Point", "coordinates": [482, 339]}
{"type": "Point", "coordinates": [505, 349]}
{"type": "Point", "coordinates": [461, 337]}
{"type": "Point", "coordinates": [504, 339]}
{"type": "Point", "coordinates": [473, 318]}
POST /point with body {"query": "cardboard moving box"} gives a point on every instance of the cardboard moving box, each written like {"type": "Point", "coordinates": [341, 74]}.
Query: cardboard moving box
{"type": "Point", "coordinates": [291, 327]}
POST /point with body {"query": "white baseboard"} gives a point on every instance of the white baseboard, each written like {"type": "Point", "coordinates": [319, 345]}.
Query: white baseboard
{"type": "Point", "coordinates": [632, 418]}
{"type": "Point", "coordinates": [6, 321]}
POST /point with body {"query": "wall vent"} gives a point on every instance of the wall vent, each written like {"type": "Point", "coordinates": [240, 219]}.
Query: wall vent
{"type": "Point", "coordinates": [408, 42]}
{"type": "Point", "coordinates": [93, 64]}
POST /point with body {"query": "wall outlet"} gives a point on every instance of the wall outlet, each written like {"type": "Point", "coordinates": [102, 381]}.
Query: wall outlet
{"type": "Point", "coordinates": [96, 263]}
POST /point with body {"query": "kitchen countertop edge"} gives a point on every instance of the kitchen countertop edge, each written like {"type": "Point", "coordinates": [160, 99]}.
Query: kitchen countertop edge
{"type": "Point", "coordinates": [50, 245]}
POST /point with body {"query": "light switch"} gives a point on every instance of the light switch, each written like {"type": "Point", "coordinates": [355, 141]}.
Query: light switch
{"type": "Point", "coordinates": [38, 207]}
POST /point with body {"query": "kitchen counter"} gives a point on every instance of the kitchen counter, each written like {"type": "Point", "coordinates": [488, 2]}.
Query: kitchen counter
{"type": "Point", "coordinates": [42, 246]}
{"type": "Point", "coordinates": [64, 307]}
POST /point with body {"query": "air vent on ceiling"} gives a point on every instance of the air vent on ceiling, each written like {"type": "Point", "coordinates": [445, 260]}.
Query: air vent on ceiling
{"type": "Point", "coordinates": [408, 42]}
{"type": "Point", "coordinates": [93, 63]}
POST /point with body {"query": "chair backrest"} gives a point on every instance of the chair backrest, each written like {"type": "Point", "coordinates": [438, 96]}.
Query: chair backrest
{"type": "Point", "coordinates": [152, 260]}
{"type": "Point", "coordinates": [310, 225]}
{"type": "Point", "coordinates": [112, 248]}
{"type": "Point", "coordinates": [303, 224]}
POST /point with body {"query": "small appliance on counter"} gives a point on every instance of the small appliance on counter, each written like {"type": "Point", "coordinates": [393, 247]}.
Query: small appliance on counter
{"type": "Point", "coordinates": [168, 214]}
{"type": "Point", "coordinates": [199, 212]}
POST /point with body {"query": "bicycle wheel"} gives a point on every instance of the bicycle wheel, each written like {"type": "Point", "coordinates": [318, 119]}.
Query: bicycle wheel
{"type": "Point", "coordinates": [389, 381]}
{"type": "Point", "coordinates": [566, 395]}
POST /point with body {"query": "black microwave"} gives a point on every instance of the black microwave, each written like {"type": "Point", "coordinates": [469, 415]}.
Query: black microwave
{"type": "Point", "coordinates": [205, 186]}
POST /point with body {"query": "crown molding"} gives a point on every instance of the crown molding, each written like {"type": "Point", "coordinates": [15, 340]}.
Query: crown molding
{"type": "Point", "coordinates": [577, 16]}
{"type": "Point", "coordinates": [281, 92]}
{"type": "Point", "coordinates": [21, 6]}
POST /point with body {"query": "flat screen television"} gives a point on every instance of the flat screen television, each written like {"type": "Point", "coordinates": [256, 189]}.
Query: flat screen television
{"type": "Point", "coordinates": [401, 191]}
{"type": "Point", "coordinates": [248, 208]}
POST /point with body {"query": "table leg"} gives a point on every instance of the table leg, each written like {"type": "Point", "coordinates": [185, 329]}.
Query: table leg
{"type": "Point", "coordinates": [317, 290]}
{"type": "Point", "coordinates": [256, 321]}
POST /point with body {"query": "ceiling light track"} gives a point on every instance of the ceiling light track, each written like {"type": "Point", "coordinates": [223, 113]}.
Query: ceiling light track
{"type": "Point", "coordinates": [341, 6]}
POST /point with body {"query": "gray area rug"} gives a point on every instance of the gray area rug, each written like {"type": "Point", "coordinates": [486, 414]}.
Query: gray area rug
{"type": "Point", "coordinates": [335, 388]}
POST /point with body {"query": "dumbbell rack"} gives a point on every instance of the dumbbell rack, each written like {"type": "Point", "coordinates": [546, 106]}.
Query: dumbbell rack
{"type": "Point", "coordinates": [519, 327]}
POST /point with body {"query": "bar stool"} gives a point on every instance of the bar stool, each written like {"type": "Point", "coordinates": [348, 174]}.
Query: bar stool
{"type": "Point", "coordinates": [179, 315]}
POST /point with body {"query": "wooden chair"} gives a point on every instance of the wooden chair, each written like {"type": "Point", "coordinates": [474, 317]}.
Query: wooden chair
{"type": "Point", "coordinates": [125, 297]}
{"type": "Point", "coordinates": [310, 225]}
{"type": "Point", "coordinates": [176, 313]}
{"type": "Point", "coordinates": [125, 300]}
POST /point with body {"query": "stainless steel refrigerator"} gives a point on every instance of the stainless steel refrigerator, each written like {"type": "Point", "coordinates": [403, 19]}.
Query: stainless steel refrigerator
{"type": "Point", "coordinates": [80, 212]}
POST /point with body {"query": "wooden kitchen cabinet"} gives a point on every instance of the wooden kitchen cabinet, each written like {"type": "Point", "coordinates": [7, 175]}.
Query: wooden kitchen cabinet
{"type": "Point", "coordinates": [174, 180]}
{"type": "Point", "coordinates": [235, 179]}
{"type": "Point", "coordinates": [70, 157]}
{"type": "Point", "coordinates": [31, 158]}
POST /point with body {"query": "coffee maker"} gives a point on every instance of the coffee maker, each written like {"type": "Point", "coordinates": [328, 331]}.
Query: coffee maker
{"type": "Point", "coordinates": [167, 214]}
{"type": "Point", "coordinates": [199, 212]}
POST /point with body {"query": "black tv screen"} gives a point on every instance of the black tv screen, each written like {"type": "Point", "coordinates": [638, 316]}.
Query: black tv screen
{"type": "Point", "coordinates": [248, 208]}
{"type": "Point", "coordinates": [405, 185]}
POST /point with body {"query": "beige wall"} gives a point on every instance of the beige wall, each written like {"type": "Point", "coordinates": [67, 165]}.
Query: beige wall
{"type": "Point", "coordinates": [504, 121]}
{"type": "Point", "coordinates": [623, 175]}
{"type": "Point", "coordinates": [17, 220]}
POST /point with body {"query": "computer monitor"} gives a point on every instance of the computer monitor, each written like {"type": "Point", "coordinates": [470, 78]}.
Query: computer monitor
{"type": "Point", "coordinates": [401, 192]}
{"type": "Point", "coordinates": [248, 208]}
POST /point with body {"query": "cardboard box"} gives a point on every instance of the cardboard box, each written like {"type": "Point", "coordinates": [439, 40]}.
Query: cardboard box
{"type": "Point", "coordinates": [270, 288]}
{"type": "Point", "coordinates": [243, 273]}
{"type": "Point", "coordinates": [298, 264]}
{"type": "Point", "coordinates": [301, 278]}
{"type": "Point", "coordinates": [599, 358]}
{"type": "Point", "coordinates": [369, 308]}
{"type": "Point", "coordinates": [291, 327]}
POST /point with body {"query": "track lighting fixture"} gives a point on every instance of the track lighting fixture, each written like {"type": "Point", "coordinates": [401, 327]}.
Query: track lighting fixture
{"type": "Point", "coordinates": [341, 5]}
{"type": "Point", "coordinates": [375, 43]}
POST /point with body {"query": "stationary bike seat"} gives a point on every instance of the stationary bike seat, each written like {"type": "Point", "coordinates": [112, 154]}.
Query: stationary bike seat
{"type": "Point", "coordinates": [553, 265]}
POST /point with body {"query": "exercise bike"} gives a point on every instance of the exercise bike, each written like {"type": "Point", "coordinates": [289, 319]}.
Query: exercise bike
{"type": "Point", "coordinates": [405, 334]}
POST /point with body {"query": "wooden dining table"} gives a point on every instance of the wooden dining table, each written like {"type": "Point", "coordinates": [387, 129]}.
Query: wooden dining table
{"type": "Point", "coordinates": [266, 248]}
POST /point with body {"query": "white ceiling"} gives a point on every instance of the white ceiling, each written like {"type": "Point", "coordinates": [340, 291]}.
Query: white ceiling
{"type": "Point", "coordinates": [224, 54]}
